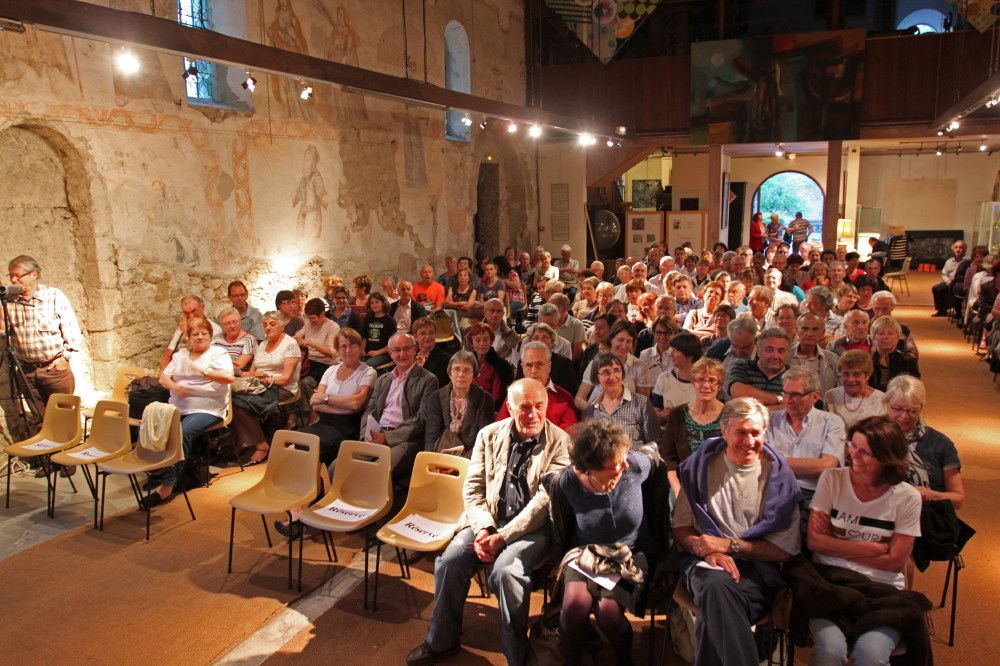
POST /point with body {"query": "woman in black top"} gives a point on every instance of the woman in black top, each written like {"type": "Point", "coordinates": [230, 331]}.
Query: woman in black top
{"type": "Point", "coordinates": [889, 362]}
{"type": "Point", "coordinates": [378, 328]}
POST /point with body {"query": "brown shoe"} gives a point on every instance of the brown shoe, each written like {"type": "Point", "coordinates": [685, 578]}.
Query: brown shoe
{"type": "Point", "coordinates": [423, 655]}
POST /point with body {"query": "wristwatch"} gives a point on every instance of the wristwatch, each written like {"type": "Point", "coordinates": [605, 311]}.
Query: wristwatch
{"type": "Point", "coordinates": [780, 399]}
{"type": "Point", "coordinates": [734, 548]}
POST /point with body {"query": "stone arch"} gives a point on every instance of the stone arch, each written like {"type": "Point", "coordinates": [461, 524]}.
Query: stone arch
{"type": "Point", "coordinates": [61, 232]}
{"type": "Point", "coordinates": [517, 189]}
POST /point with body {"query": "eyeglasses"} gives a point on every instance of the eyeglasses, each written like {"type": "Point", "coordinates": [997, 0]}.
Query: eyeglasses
{"type": "Point", "coordinates": [706, 380]}
{"type": "Point", "coordinates": [16, 276]}
{"type": "Point", "coordinates": [399, 350]}
{"type": "Point", "coordinates": [796, 394]}
{"type": "Point", "coordinates": [861, 453]}
{"type": "Point", "coordinates": [909, 411]}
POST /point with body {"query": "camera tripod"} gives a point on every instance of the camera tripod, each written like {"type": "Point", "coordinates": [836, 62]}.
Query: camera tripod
{"type": "Point", "coordinates": [19, 391]}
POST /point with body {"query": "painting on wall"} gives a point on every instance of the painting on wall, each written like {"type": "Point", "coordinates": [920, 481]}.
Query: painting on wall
{"type": "Point", "coordinates": [800, 87]}
{"type": "Point", "coordinates": [645, 229]}
{"type": "Point", "coordinates": [644, 194]}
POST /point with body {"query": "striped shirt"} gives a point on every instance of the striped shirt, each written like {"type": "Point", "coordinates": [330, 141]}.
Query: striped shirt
{"type": "Point", "coordinates": [634, 413]}
{"type": "Point", "coordinates": [245, 345]}
{"type": "Point", "coordinates": [47, 330]}
{"type": "Point", "coordinates": [748, 372]}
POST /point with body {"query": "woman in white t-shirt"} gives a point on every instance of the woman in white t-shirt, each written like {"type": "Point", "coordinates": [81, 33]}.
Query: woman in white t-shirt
{"type": "Point", "coordinates": [673, 387]}
{"type": "Point", "coordinates": [276, 365]}
{"type": "Point", "coordinates": [854, 399]}
{"type": "Point", "coordinates": [865, 518]}
{"type": "Point", "coordinates": [621, 342]}
{"type": "Point", "coordinates": [198, 378]}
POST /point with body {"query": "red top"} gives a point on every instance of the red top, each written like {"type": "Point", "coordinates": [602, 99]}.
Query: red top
{"type": "Point", "coordinates": [758, 232]}
{"type": "Point", "coordinates": [561, 410]}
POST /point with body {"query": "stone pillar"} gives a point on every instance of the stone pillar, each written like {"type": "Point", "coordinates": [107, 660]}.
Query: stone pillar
{"type": "Point", "coordinates": [831, 205]}
{"type": "Point", "coordinates": [714, 206]}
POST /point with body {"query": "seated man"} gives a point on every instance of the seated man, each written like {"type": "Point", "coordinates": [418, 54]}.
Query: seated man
{"type": "Point", "coordinates": [735, 519]}
{"type": "Point", "coordinates": [536, 363]}
{"type": "Point", "coordinates": [569, 327]}
{"type": "Point", "coordinates": [548, 314]}
{"type": "Point", "coordinates": [392, 416]}
{"type": "Point", "coordinates": [942, 290]}
{"type": "Point", "coordinates": [762, 378]}
{"type": "Point", "coordinates": [810, 439]}
{"type": "Point", "coordinates": [505, 518]}
{"type": "Point", "coordinates": [191, 306]}
{"type": "Point", "coordinates": [737, 346]}
{"type": "Point", "coordinates": [405, 310]}
{"type": "Point", "coordinates": [686, 301]}
{"type": "Point", "coordinates": [427, 292]}
{"type": "Point", "coordinates": [563, 372]}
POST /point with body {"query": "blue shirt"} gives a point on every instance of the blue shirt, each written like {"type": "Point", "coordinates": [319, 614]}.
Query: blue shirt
{"type": "Point", "coordinates": [612, 517]}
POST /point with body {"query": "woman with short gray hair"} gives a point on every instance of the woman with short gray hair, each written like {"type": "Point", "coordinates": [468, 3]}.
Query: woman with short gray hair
{"type": "Point", "coordinates": [887, 360]}
{"type": "Point", "coordinates": [455, 413]}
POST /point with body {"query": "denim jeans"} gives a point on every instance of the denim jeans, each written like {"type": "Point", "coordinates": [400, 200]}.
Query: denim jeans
{"type": "Point", "coordinates": [870, 648]}
{"type": "Point", "coordinates": [510, 581]}
{"type": "Point", "coordinates": [193, 425]}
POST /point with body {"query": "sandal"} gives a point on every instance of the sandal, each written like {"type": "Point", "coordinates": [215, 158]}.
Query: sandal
{"type": "Point", "coordinates": [259, 456]}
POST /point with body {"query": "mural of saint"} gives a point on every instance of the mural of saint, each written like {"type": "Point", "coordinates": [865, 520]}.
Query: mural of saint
{"type": "Point", "coordinates": [310, 195]}
{"type": "Point", "coordinates": [285, 32]}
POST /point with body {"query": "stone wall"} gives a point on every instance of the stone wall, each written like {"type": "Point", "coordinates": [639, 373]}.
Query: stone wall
{"type": "Point", "coordinates": [130, 196]}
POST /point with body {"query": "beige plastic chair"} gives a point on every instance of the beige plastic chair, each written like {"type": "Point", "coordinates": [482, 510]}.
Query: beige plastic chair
{"type": "Point", "coordinates": [900, 276]}
{"type": "Point", "coordinates": [435, 493]}
{"type": "Point", "coordinates": [223, 426]}
{"type": "Point", "coordinates": [362, 478]}
{"type": "Point", "coordinates": [61, 424]}
{"type": "Point", "coordinates": [290, 481]}
{"type": "Point", "coordinates": [109, 439]}
{"type": "Point", "coordinates": [142, 460]}
{"type": "Point", "coordinates": [119, 391]}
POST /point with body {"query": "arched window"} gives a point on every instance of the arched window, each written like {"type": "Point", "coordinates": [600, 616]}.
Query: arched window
{"type": "Point", "coordinates": [458, 77]}
{"type": "Point", "coordinates": [787, 193]}
{"type": "Point", "coordinates": [924, 20]}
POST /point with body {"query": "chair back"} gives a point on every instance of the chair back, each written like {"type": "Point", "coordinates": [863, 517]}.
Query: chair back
{"type": "Point", "coordinates": [125, 376]}
{"type": "Point", "coordinates": [61, 422]}
{"type": "Point", "coordinates": [174, 450]}
{"type": "Point", "coordinates": [906, 264]}
{"type": "Point", "coordinates": [436, 486]}
{"type": "Point", "coordinates": [109, 430]}
{"type": "Point", "coordinates": [293, 462]}
{"type": "Point", "coordinates": [444, 331]}
{"type": "Point", "coordinates": [363, 475]}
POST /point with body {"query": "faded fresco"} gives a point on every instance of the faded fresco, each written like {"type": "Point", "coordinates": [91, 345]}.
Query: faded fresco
{"type": "Point", "coordinates": [163, 198]}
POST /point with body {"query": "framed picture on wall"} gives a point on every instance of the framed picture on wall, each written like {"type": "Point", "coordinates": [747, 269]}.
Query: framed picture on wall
{"type": "Point", "coordinates": [686, 226]}
{"type": "Point", "coordinates": [645, 228]}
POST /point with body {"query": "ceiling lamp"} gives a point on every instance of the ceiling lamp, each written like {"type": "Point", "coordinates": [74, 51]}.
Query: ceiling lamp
{"type": "Point", "coordinates": [306, 94]}
{"type": "Point", "coordinates": [127, 63]}
{"type": "Point", "coordinates": [250, 83]}
{"type": "Point", "coordinates": [586, 139]}
{"type": "Point", "coordinates": [511, 127]}
{"type": "Point", "coordinates": [535, 131]}
{"type": "Point", "coordinates": [621, 130]}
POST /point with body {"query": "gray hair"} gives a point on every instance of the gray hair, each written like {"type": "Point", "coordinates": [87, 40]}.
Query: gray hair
{"type": "Point", "coordinates": [728, 255]}
{"type": "Point", "coordinates": [520, 387]}
{"type": "Point", "coordinates": [773, 332]}
{"type": "Point", "coordinates": [535, 344]}
{"type": "Point", "coordinates": [544, 328]}
{"type": "Point", "coordinates": [856, 314]}
{"type": "Point", "coordinates": [29, 264]}
{"type": "Point", "coordinates": [879, 295]}
{"type": "Point", "coordinates": [743, 409]}
{"type": "Point", "coordinates": [744, 323]}
{"type": "Point", "coordinates": [548, 310]}
{"type": "Point", "coordinates": [604, 286]}
{"type": "Point", "coordinates": [466, 357]}
{"type": "Point", "coordinates": [192, 297]}
{"type": "Point", "coordinates": [274, 315]}
{"type": "Point", "coordinates": [561, 301]}
{"type": "Point", "coordinates": [906, 387]}
{"type": "Point", "coordinates": [823, 294]}
{"type": "Point", "coordinates": [762, 292]}
{"type": "Point", "coordinates": [809, 378]}
{"type": "Point", "coordinates": [225, 312]}
{"type": "Point", "coordinates": [883, 322]}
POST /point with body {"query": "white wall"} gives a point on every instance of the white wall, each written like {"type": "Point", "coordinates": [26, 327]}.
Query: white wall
{"type": "Point", "coordinates": [653, 167]}
{"type": "Point", "coordinates": [563, 163]}
{"type": "Point", "coordinates": [755, 170]}
{"type": "Point", "coordinates": [972, 174]}
{"type": "Point", "coordinates": [689, 178]}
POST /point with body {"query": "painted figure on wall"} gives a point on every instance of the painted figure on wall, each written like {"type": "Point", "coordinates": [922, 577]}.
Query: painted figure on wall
{"type": "Point", "coordinates": [310, 195]}
{"type": "Point", "coordinates": [342, 46]}
{"type": "Point", "coordinates": [286, 33]}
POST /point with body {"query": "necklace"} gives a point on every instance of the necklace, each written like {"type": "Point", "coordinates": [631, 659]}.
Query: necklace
{"type": "Point", "coordinates": [847, 405]}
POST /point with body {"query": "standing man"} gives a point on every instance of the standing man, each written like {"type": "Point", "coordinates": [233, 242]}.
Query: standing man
{"type": "Point", "coordinates": [942, 290]}
{"type": "Point", "coordinates": [799, 228]}
{"type": "Point", "coordinates": [45, 331]}
{"type": "Point", "coordinates": [251, 319]}
{"type": "Point", "coordinates": [505, 517]}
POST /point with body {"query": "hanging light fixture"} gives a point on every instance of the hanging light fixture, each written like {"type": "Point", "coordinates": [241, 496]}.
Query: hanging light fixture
{"type": "Point", "coordinates": [511, 127]}
{"type": "Point", "coordinates": [250, 83]}
{"type": "Point", "coordinates": [307, 92]}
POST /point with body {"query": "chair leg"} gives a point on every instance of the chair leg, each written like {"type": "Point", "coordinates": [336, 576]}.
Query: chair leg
{"type": "Point", "coordinates": [6, 504]}
{"type": "Point", "coordinates": [368, 544]}
{"type": "Point", "coordinates": [947, 581]}
{"type": "Point", "coordinates": [954, 601]}
{"type": "Point", "coordinates": [72, 485]}
{"type": "Point", "coordinates": [186, 500]}
{"type": "Point", "coordinates": [290, 549]}
{"type": "Point", "coordinates": [378, 562]}
{"type": "Point", "coordinates": [97, 481]}
{"type": "Point", "coordinates": [149, 508]}
{"type": "Point", "coordinates": [90, 483]}
{"type": "Point", "coordinates": [267, 533]}
{"type": "Point", "coordinates": [330, 546]}
{"type": "Point", "coordinates": [104, 489]}
{"type": "Point", "coordinates": [401, 556]}
{"type": "Point", "coordinates": [302, 537]}
{"type": "Point", "coordinates": [133, 483]}
{"type": "Point", "coordinates": [50, 487]}
{"type": "Point", "coordinates": [232, 528]}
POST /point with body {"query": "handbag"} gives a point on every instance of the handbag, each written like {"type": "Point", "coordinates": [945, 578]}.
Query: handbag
{"type": "Point", "coordinates": [248, 386]}
{"type": "Point", "coordinates": [449, 442]}
{"type": "Point", "coordinates": [543, 639]}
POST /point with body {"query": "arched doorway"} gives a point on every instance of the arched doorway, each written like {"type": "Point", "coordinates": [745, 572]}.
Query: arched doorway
{"type": "Point", "coordinates": [787, 193]}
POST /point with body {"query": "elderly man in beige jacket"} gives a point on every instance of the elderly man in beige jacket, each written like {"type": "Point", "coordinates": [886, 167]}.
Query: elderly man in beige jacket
{"type": "Point", "coordinates": [506, 515]}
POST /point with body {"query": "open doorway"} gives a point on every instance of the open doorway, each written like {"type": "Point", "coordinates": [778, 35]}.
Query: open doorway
{"type": "Point", "coordinates": [487, 220]}
{"type": "Point", "coordinates": [790, 192]}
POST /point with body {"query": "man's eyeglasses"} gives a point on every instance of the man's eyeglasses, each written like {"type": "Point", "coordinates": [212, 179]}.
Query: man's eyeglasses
{"type": "Point", "coordinates": [399, 350]}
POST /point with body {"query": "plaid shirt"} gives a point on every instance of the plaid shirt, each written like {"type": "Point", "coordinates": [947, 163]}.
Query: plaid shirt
{"type": "Point", "coordinates": [49, 329]}
{"type": "Point", "coordinates": [634, 413]}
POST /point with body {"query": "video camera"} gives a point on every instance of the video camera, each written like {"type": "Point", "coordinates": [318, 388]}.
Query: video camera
{"type": "Point", "coordinates": [10, 291]}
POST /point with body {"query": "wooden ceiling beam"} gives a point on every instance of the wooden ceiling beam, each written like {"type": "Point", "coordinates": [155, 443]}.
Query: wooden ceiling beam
{"type": "Point", "coordinates": [89, 21]}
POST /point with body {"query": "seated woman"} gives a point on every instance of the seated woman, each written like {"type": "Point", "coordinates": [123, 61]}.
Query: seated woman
{"type": "Point", "coordinates": [431, 356]}
{"type": "Point", "coordinates": [330, 283]}
{"type": "Point", "coordinates": [362, 287]}
{"type": "Point", "coordinates": [617, 403]}
{"type": "Point", "coordinates": [586, 303]}
{"type": "Point", "coordinates": [621, 341]}
{"type": "Point", "coordinates": [854, 399]}
{"type": "Point", "coordinates": [239, 344]}
{"type": "Point", "coordinates": [856, 324]}
{"type": "Point", "coordinates": [276, 365]}
{"type": "Point", "coordinates": [494, 374]}
{"type": "Point", "coordinates": [198, 378]}
{"type": "Point", "coordinates": [461, 296]}
{"type": "Point", "coordinates": [454, 415]}
{"type": "Point", "coordinates": [379, 326]}
{"type": "Point", "coordinates": [673, 387]}
{"type": "Point", "coordinates": [701, 322]}
{"type": "Point", "coordinates": [887, 361]}
{"type": "Point", "coordinates": [341, 396]}
{"type": "Point", "coordinates": [864, 518]}
{"type": "Point", "coordinates": [598, 501]}
{"type": "Point", "coordinates": [690, 424]}
{"type": "Point", "coordinates": [935, 469]}
{"type": "Point", "coordinates": [318, 336]}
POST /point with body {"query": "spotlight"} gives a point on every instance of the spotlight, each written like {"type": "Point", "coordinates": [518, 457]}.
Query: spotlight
{"type": "Point", "coordinates": [621, 130]}
{"type": "Point", "coordinates": [779, 151]}
{"type": "Point", "coordinates": [127, 63]}
{"type": "Point", "coordinates": [307, 93]}
{"type": "Point", "coordinates": [939, 152]}
{"type": "Point", "coordinates": [982, 147]}
{"type": "Point", "coordinates": [250, 84]}
{"type": "Point", "coordinates": [484, 123]}
{"type": "Point", "coordinates": [610, 143]}
{"type": "Point", "coordinates": [586, 139]}
{"type": "Point", "coordinates": [511, 127]}
{"type": "Point", "coordinates": [940, 132]}
{"type": "Point", "coordinates": [467, 120]}
{"type": "Point", "coordinates": [791, 156]}
{"type": "Point", "coordinates": [952, 126]}
{"type": "Point", "coordinates": [535, 131]}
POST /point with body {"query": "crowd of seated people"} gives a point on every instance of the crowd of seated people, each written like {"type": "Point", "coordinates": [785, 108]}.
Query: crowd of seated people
{"type": "Point", "coordinates": [743, 381]}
